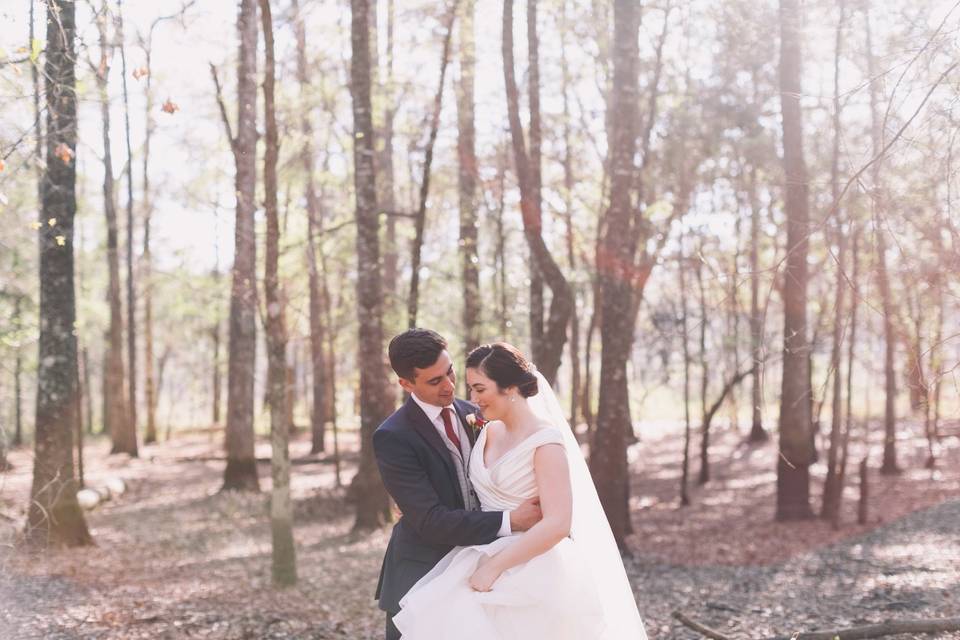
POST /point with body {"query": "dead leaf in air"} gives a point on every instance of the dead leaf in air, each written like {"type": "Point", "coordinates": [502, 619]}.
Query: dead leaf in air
{"type": "Point", "coordinates": [170, 107]}
{"type": "Point", "coordinates": [63, 152]}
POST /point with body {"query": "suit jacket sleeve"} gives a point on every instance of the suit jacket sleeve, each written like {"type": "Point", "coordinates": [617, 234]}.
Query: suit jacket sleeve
{"type": "Point", "coordinates": [407, 481]}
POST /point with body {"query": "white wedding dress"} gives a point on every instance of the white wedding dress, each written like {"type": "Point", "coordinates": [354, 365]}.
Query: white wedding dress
{"type": "Point", "coordinates": [554, 595]}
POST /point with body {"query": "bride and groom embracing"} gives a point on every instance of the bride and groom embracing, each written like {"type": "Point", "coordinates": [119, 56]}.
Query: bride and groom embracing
{"type": "Point", "coordinates": [502, 535]}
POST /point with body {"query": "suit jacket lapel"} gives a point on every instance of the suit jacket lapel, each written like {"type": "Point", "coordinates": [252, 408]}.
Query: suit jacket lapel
{"type": "Point", "coordinates": [422, 425]}
{"type": "Point", "coordinates": [462, 412]}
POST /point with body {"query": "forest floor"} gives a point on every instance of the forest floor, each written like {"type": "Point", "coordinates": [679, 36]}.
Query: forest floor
{"type": "Point", "coordinates": [176, 559]}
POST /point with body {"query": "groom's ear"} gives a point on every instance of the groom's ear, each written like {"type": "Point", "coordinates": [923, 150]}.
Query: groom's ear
{"type": "Point", "coordinates": [406, 385]}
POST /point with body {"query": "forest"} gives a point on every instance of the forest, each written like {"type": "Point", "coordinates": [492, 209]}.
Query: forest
{"type": "Point", "coordinates": [723, 232]}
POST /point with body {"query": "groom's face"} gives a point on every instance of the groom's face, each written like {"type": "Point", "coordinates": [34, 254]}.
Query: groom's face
{"type": "Point", "coordinates": [434, 384]}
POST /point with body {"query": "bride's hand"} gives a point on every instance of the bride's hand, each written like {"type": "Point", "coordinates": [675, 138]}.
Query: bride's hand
{"type": "Point", "coordinates": [485, 575]}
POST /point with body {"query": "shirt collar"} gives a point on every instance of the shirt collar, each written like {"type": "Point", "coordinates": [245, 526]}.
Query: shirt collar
{"type": "Point", "coordinates": [432, 410]}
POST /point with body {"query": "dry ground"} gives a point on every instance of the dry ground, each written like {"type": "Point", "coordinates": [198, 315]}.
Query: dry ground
{"type": "Point", "coordinates": [176, 559]}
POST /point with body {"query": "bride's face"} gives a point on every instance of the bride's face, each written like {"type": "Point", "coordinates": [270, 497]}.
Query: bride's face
{"type": "Point", "coordinates": [485, 393]}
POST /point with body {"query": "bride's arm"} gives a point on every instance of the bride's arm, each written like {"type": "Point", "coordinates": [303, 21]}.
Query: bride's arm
{"type": "Point", "coordinates": [556, 502]}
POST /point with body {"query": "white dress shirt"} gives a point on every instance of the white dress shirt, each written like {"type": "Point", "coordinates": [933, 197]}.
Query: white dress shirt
{"type": "Point", "coordinates": [433, 414]}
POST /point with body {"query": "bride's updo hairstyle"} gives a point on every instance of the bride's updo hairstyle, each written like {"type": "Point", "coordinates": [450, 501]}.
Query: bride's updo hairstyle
{"type": "Point", "coordinates": [504, 364]}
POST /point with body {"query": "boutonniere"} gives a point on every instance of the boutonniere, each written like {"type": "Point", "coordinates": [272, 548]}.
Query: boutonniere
{"type": "Point", "coordinates": [476, 422]}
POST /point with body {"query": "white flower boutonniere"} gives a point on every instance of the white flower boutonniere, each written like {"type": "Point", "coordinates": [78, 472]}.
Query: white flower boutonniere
{"type": "Point", "coordinates": [476, 422]}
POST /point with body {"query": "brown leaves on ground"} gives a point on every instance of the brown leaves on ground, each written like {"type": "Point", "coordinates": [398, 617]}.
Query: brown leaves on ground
{"type": "Point", "coordinates": [169, 106]}
{"type": "Point", "coordinates": [177, 559]}
{"type": "Point", "coordinates": [731, 520]}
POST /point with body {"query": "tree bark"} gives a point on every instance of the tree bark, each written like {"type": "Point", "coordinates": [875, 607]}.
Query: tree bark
{"type": "Point", "coordinates": [568, 186]}
{"type": "Point", "coordinates": [131, 284]}
{"type": "Point", "coordinates": [241, 469]}
{"type": "Point", "coordinates": [757, 432]}
{"type": "Point", "coordinates": [851, 349]}
{"type": "Point", "coordinates": [704, 475]}
{"type": "Point", "coordinates": [548, 351]}
{"type": "Point", "coordinates": [687, 362]}
{"type": "Point", "coordinates": [385, 166]}
{"type": "Point", "coordinates": [54, 517]}
{"type": "Point", "coordinates": [500, 257]}
{"type": "Point", "coordinates": [18, 376]}
{"type": "Point", "coordinates": [831, 488]}
{"type": "Point", "coordinates": [536, 175]}
{"type": "Point", "coordinates": [883, 277]}
{"type": "Point", "coordinates": [284, 559]}
{"type": "Point", "coordinates": [318, 415]}
{"type": "Point", "coordinates": [608, 456]}
{"type": "Point", "coordinates": [373, 507]}
{"type": "Point", "coordinates": [793, 463]}
{"type": "Point", "coordinates": [467, 178]}
{"type": "Point", "coordinates": [150, 385]}
{"type": "Point", "coordinates": [413, 300]}
{"type": "Point", "coordinates": [116, 416]}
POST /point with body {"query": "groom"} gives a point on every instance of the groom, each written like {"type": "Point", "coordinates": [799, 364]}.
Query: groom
{"type": "Point", "coordinates": [422, 451]}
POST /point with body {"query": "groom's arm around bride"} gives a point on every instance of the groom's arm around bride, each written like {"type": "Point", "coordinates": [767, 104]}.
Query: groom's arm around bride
{"type": "Point", "coordinates": [419, 471]}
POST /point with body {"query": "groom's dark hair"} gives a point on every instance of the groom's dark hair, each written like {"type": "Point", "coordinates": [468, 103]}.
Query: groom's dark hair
{"type": "Point", "coordinates": [414, 348]}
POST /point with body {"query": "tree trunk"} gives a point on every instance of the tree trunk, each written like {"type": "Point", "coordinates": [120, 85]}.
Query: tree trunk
{"type": "Point", "coordinates": [54, 517]}
{"type": "Point", "coordinates": [883, 278]}
{"type": "Point", "coordinates": [851, 349]}
{"type": "Point", "coordinates": [550, 350]}
{"type": "Point", "coordinates": [793, 465]}
{"type": "Point", "coordinates": [500, 263]}
{"type": "Point", "coordinates": [131, 285]}
{"type": "Point", "coordinates": [413, 301]}
{"type": "Point", "coordinates": [704, 475]}
{"type": "Point", "coordinates": [215, 335]}
{"type": "Point", "coordinates": [467, 178]}
{"type": "Point", "coordinates": [284, 565]}
{"type": "Point", "coordinates": [150, 385]}
{"type": "Point", "coordinates": [733, 321]}
{"type": "Point", "coordinates": [18, 376]}
{"type": "Point", "coordinates": [373, 507]}
{"type": "Point", "coordinates": [241, 469]}
{"type": "Point", "coordinates": [757, 432]}
{"type": "Point", "coordinates": [608, 455]}
{"type": "Point", "coordinates": [38, 163]}
{"type": "Point", "coordinates": [318, 415]}
{"type": "Point", "coordinates": [116, 418]}
{"type": "Point", "coordinates": [4, 463]}
{"type": "Point", "coordinates": [536, 175]}
{"type": "Point", "coordinates": [831, 487]}
{"type": "Point", "coordinates": [385, 169]}
{"type": "Point", "coordinates": [687, 362]}
{"type": "Point", "coordinates": [568, 185]}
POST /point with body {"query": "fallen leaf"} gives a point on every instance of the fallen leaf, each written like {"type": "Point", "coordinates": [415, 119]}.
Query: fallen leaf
{"type": "Point", "coordinates": [2, 165]}
{"type": "Point", "coordinates": [35, 225]}
{"type": "Point", "coordinates": [52, 221]}
{"type": "Point", "coordinates": [170, 107]}
{"type": "Point", "coordinates": [61, 240]}
{"type": "Point", "coordinates": [140, 72]}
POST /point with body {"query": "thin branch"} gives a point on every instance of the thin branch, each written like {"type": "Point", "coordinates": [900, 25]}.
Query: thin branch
{"type": "Point", "coordinates": [223, 110]}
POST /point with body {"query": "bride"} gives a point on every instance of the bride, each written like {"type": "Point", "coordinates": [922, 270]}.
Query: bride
{"type": "Point", "coordinates": [563, 578]}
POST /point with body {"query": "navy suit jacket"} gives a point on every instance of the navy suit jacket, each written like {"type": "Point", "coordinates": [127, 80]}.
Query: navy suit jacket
{"type": "Point", "coordinates": [418, 471]}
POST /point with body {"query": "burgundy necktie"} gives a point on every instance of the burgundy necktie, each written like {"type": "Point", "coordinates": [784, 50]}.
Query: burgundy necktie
{"type": "Point", "coordinates": [448, 427]}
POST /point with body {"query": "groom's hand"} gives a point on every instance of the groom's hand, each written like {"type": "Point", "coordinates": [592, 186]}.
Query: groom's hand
{"type": "Point", "coordinates": [526, 515]}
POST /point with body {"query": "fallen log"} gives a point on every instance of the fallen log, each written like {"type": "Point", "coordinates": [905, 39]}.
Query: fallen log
{"type": "Point", "coordinates": [700, 628]}
{"type": "Point", "coordinates": [886, 628]}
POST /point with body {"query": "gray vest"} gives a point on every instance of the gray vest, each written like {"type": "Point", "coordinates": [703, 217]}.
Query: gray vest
{"type": "Point", "coordinates": [470, 500]}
